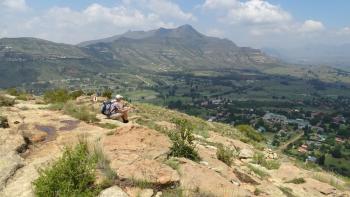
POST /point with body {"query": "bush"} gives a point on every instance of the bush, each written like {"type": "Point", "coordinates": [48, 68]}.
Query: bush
{"type": "Point", "coordinates": [107, 93]}
{"type": "Point", "coordinates": [251, 133]}
{"type": "Point", "coordinates": [225, 155]}
{"type": "Point", "coordinates": [259, 158]}
{"type": "Point", "coordinates": [80, 112]}
{"type": "Point", "coordinates": [297, 181]}
{"type": "Point", "coordinates": [76, 94]}
{"type": "Point", "coordinates": [57, 96]}
{"type": "Point", "coordinates": [258, 171]}
{"type": "Point", "coordinates": [20, 95]}
{"type": "Point", "coordinates": [5, 101]}
{"type": "Point", "coordinates": [72, 175]}
{"type": "Point", "coordinates": [182, 140]}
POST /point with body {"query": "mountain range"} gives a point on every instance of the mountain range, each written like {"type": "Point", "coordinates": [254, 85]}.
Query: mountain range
{"type": "Point", "coordinates": [24, 60]}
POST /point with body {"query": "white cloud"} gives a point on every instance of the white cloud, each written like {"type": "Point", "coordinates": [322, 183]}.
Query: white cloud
{"type": "Point", "coordinates": [63, 24]}
{"type": "Point", "coordinates": [169, 9]}
{"type": "Point", "coordinates": [220, 4]}
{"type": "Point", "coordinates": [257, 12]}
{"type": "Point", "coordinates": [18, 5]}
{"type": "Point", "coordinates": [344, 31]}
{"type": "Point", "coordinates": [311, 26]}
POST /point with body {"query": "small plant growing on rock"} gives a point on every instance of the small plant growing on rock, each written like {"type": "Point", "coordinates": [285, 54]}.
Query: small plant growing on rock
{"type": "Point", "coordinates": [182, 139]}
{"type": "Point", "coordinates": [225, 155]}
{"type": "Point", "coordinates": [4, 122]}
{"type": "Point", "coordinates": [260, 159]}
{"type": "Point", "coordinates": [297, 181]}
{"type": "Point", "coordinates": [72, 175]}
{"type": "Point", "coordinates": [80, 112]}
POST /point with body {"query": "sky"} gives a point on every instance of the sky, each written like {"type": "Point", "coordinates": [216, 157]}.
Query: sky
{"type": "Point", "coordinates": [255, 23]}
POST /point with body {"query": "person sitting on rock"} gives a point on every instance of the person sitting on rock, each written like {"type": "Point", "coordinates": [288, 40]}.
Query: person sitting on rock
{"type": "Point", "coordinates": [119, 109]}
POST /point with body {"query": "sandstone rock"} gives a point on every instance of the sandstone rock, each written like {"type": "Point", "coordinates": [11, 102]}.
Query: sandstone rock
{"type": "Point", "coordinates": [195, 176]}
{"type": "Point", "coordinates": [246, 153]}
{"type": "Point", "coordinates": [159, 194]}
{"type": "Point", "coordinates": [149, 170]}
{"type": "Point", "coordinates": [131, 143]}
{"type": "Point", "coordinates": [35, 136]}
{"type": "Point", "coordinates": [323, 188]}
{"type": "Point", "coordinates": [114, 191]}
{"type": "Point", "coordinates": [245, 177]}
{"type": "Point", "coordinates": [138, 192]}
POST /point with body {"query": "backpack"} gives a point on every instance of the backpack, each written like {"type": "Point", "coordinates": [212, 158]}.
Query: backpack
{"type": "Point", "coordinates": [106, 108]}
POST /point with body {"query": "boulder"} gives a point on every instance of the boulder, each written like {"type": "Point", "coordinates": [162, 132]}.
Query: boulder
{"type": "Point", "coordinates": [131, 143]}
{"type": "Point", "coordinates": [195, 176]}
{"type": "Point", "coordinates": [151, 171]}
{"type": "Point", "coordinates": [246, 153]}
{"type": "Point", "coordinates": [114, 191]}
{"type": "Point", "coordinates": [135, 191]}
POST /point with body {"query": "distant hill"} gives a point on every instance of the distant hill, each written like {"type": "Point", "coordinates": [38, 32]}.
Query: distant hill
{"type": "Point", "coordinates": [182, 47]}
{"type": "Point", "coordinates": [25, 60]}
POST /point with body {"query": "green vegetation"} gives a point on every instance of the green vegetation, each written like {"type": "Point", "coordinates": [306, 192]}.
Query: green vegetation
{"type": "Point", "coordinates": [297, 181]}
{"type": "Point", "coordinates": [107, 93]}
{"type": "Point", "coordinates": [83, 113]}
{"type": "Point", "coordinates": [107, 125]}
{"type": "Point", "coordinates": [176, 192]}
{"type": "Point", "coordinates": [173, 163]}
{"type": "Point", "coordinates": [251, 133]}
{"type": "Point", "coordinates": [20, 95]}
{"type": "Point", "coordinates": [143, 184]}
{"type": "Point", "coordinates": [72, 175]}
{"type": "Point", "coordinates": [263, 174]}
{"type": "Point", "coordinates": [182, 140]}
{"type": "Point", "coordinates": [57, 96]}
{"type": "Point", "coordinates": [5, 101]}
{"type": "Point", "coordinates": [257, 192]}
{"type": "Point", "coordinates": [225, 155]}
{"type": "Point", "coordinates": [260, 159]}
{"type": "Point", "coordinates": [103, 164]}
{"type": "Point", "coordinates": [287, 191]}
{"type": "Point", "coordinates": [329, 179]}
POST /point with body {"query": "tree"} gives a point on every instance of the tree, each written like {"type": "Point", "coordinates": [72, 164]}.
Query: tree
{"type": "Point", "coordinates": [337, 151]}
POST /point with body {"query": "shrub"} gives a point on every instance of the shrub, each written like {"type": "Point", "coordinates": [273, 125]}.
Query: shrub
{"type": "Point", "coordinates": [258, 171]}
{"type": "Point", "coordinates": [225, 155]}
{"type": "Point", "coordinates": [5, 101]}
{"type": "Point", "coordinates": [251, 133]}
{"type": "Point", "coordinates": [173, 163]}
{"type": "Point", "coordinates": [20, 95]}
{"type": "Point", "coordinates": [57, 96]}
{"type": "Point", "coordinates": [259, 158]}
{"type": "Point", "coordinates": [287, 191]}
{"type": "Point", "coordinates": [76, 94]}
{"type": "Point", "coordinates": [182, 140]}
{"type": "Point", "coordinates": [107, 93]}
{"type": "Point", "coordinates": [72, 175]}
{"type": "Point", "coordinates": [297, 181]}
{"type": "Point", "coordinates": [80, 112]}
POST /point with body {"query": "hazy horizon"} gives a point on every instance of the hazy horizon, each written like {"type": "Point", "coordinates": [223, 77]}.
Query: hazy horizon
{"type": "Point", "coordinates": [255, 23]}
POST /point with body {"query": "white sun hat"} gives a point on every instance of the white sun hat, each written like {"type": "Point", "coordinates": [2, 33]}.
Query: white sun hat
{"type": "Point", "coordinates": [118, 96]}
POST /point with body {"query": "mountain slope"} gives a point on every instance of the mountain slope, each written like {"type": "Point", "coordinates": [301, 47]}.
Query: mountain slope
{"type": "Point", "coordinates": [137, 154]}
{"type": "Point", "coordinates": [182, 47]}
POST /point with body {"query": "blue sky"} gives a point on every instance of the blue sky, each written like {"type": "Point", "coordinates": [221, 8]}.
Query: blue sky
{"type": "Point", "coordinates": [257, 23]}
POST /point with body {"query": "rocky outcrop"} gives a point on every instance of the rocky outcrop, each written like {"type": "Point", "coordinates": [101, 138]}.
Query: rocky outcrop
{"type": "Point", "coordinates": [151, 171]}
{"type": "Point", "coordinates": [132, 143]}
{"type": "Point", "coordinates": [195, 176]}
{"type": "Point", "coordinates": [10, 159]}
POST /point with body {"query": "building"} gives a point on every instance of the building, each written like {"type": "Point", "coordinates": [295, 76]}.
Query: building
{"type": "Point", "coordinates": [276, 118]}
